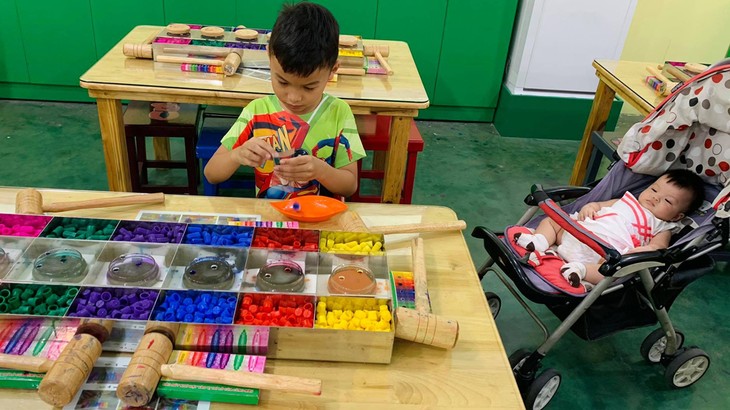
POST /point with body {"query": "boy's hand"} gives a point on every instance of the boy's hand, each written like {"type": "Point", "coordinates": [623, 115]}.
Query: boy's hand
{"type": "Point", "coordinates": [588, 211]}
{"type": "Point", "coordinates": [253, 153]}
{"type": "Point", "coordinates": [303, 168]}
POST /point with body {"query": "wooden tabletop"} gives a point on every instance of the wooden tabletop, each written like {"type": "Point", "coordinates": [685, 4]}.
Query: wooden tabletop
{"type": "Point", "coordinates": [627, 78]}
{"type": "Point", "coordinates": [115, 73]}
{"type": "Point", "coordinates": [475, 374]}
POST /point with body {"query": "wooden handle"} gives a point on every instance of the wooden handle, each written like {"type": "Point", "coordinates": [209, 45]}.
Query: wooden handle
{"type": "Point", "coordinates": [73, 366]}
{"type": "Point", "coordinates": [261, 381]}
{"type": "Point", "coordinates": [29, 201]}
{"type": "Point", "coordinates": [426, 328]}
{"type": "Point", "coordinates": [188, 60]}
{"type": "Point", "coordinates": [350, 221]}
{"type": "Point", "coordinates": [383, 62]}
{"type": "Point", "coordinates": [415, 228]}
{"type": "Point", "coordinates": [681, 75]}
{"type": "Point", "coordinates": [141, 50]}
{"type": "Point", "coordinates": [25, 363]}
{"type": "Point", "coordinates": [420, 284]}
{"type": "Point", "coordinates": [140, 379]}
{"type": "Point", "coordinates": [653, 71]}
{"type": "Point", "coordinates": [696, 67]}
{"type": "Point", "coordinates": [231, 63]}
{"type": "Point", "coordinates": [140, 199]}
{"type": "Point", "coordinates": [350, 71]}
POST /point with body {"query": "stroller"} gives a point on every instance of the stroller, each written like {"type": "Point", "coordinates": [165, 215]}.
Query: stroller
{"type": "Point", "coordinates": [690, 129]}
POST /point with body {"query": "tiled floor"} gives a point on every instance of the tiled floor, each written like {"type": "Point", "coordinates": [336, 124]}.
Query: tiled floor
{"type": "Point", "coordinates": [483, 177]}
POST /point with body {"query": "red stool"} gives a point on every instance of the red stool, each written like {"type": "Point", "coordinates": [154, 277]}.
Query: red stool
{"type": "Point", "coordinates": [375, 136]}
{"type": "Point", "coordinates": [144, 119]}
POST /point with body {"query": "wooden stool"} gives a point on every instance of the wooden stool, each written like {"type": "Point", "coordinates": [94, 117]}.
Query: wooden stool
{"type": "Point", "coordinates": [144, 119]}
{"type": "Point", "coordinates": [375, 136]}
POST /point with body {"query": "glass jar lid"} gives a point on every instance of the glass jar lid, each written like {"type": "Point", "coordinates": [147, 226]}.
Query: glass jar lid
{"type": "Point", "coordinates": [208, 272]}
{"type": "Point", "coordinates": [133, 269]}
{"type": "Point", "coordinates": [60, 265]}
{"type": "Point", "coordinates": [280, 276]}
{"type": "Point", "coordinates": [351, 279]}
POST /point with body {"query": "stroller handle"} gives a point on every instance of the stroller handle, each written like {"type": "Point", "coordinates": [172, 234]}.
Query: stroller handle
{"type": "Point", "coordinates": [554, 212]}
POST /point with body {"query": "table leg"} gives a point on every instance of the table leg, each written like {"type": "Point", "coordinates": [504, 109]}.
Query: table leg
{"type": "Point", "coordinates": [596, 122]}
{"type": "Point", "coordinates": [161, 146]}
{"type": "Point", "coordinates": [395, 160]}
{"type": "Point", "coordinates": [111, 123]}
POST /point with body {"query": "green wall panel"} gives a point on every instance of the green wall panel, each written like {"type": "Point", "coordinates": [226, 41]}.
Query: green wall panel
{"type": "Point", "coordinates": [13, 67]}
{"type": "Point", "coordinates": [258, 14]}
{"type": "Point", "coordinates": [474, 52]}
{"type": "Point", "coordinates": [62, 58]}
{"type": "Point", "coordinates": [113, 20]}
{"type": "Point", "coordinates": [355, 17]}
{"type": "Point", "coordinates": [217, 13]}
{"type": "Point", "coordinates": [424, 40]}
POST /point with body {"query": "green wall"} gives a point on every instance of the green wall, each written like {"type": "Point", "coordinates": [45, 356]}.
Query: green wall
{"type": "Point", "coordinates": [460, 46]}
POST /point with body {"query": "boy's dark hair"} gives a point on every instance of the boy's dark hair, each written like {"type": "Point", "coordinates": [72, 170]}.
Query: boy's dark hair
{"type": "Point", "coordinates": [305, 38]}
{"type": "Point", "coordinates": [687, 179]}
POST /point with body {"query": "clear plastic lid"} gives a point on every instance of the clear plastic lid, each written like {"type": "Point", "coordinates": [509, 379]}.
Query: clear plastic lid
{"type": "Point", "coordinates": [208, 272]}
{"type": "Point", "coordinates": [280, 276]}
{"type": "Point", "coordinates": [351, 279]}
{"type": "Point", "coordinates": [60, 265]}
{"type": "Point", "coordinates": [133, 269]}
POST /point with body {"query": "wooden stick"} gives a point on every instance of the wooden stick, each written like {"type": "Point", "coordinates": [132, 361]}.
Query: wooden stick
{"type": "Point", "coordinates": [696, 67]}
{"type": "Point", "coordinates": [30, 201]}
{"type": "Point", "coordinates": [25, 363]}
{"type": "Point", "coordinates": [262, 381]}
{"type": "Point", "coordinates": [420, 284]}
{"type": "Point", "coordinates": [383, 62]}
{"type": "Point", "coordinates": [351, 71]}
{"type": "Point", "coordinates": [414, 228]}
{"type": "Point", "coordinates": [188, 60]}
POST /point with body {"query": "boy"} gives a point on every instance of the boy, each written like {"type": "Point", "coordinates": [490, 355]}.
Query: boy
{"type": "Point", "coordinates": [300, 141]}
{"type": "Point", "coordinates": [628, 224]}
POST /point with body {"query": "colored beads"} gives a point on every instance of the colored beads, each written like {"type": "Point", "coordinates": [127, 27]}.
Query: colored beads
{"type": "Point", "coordinates": [357, 243]}
{"type": "Point", "coordinates": [22, 225]}
{"type": "Point", "coordinates": [114, 303]}
{"type": "Point", "coordinates": [196, 307]}
{"type": "Point", "coordinates": [276, 310]}
{"type": "Point", "coordinates": [286, 239]}
{"type": "Point", "coordinates": [218, 235]}
{"type": "Point", "coordinates": [205, 68]}
{"type": "Point", "coordinates": [353, 314]}
{"type": "Point", "coordinates": [156, 232]}
{"type": "Point", "coordinates": [80, 228]}
{"type": "Point", "coordinates": [41, 300]}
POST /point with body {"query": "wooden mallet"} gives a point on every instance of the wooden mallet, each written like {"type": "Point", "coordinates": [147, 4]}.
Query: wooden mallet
{"type": "Point", "coordinates": [149, 363]}
{"type": "Point", "coordinates": [30, 201]}
{"type": "Point", "coordinates": [380, 52]}
{"type": "Point", "coordinates": [420, 325]}
{"type": "Point", "coordinates": [350, 221]}
{"type": "Point", "coordinates": [67, 374]}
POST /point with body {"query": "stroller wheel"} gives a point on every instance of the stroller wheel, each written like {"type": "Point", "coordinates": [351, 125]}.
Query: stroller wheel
{"type": "Point", "coordinates": [494, 302]}
{"type": "Point", "coordinates": [542, 390]}
{"type": "Point", "coordinates": [655, 344]}
{"type": "Point", "coordinates": [687, 367]}
{"type": "Point", "coordinates": [517, 358]}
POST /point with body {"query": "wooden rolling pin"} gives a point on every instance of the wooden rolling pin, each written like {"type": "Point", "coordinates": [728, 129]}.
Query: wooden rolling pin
{"type": "Point", "coordinates": [73, 366]}
{"type": "Point", "coordinates": [30, 201]}
{"type": "Point", "coordinates": [420, 325]}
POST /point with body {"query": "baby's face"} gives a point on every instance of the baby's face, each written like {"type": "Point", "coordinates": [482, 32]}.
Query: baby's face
{"type": "Point", "coordinates": [665, 200]}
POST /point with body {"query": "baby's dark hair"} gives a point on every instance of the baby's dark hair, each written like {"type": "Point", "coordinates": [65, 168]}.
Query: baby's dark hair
{"type": "Point", "coordinates": [687, 179]}
{"type": "Point", "coordinates": [305, 38]}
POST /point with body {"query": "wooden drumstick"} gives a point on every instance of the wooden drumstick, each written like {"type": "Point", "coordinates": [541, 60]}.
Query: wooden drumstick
{"type": "Point", "coordinates": [73, 366]}
{"type": "Point", "coordinates": [383, 62]}
{"type": "Point", "coordinates": [420, 325]}
{"type": "Point", "coordinates": [262, 381]}
{"type": "Point", "coordinates": [30, 201]}
{"type": "Point", "coordinates": [25, 363]}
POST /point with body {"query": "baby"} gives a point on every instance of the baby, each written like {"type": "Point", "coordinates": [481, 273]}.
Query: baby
{"type": "Point", "coordinates": [628, 224]}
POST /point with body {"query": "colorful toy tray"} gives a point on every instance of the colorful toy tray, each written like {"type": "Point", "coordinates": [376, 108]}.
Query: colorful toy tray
{"type": "Point", "coordinates": [305, 287]}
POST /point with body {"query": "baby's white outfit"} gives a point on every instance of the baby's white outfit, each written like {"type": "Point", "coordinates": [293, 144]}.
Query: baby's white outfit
{"type": "Point", "coordinates": [624, 225]}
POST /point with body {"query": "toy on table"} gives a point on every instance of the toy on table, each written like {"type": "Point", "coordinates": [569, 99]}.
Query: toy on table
{"type": "Point", "coordinates": [351, 221]}
{"type": "Point", "coordinates": [30, 201]}
{"type": "Point", "coordinates": [380, 52]}
{"type": "Point", "coordinates": [659, 82]}
{"type": "Point", "coordinates": [420, 325]}
{"type": "Point", "coordinates": [149, 363]}
{"type": "Point", "coordinates": [310, 208]}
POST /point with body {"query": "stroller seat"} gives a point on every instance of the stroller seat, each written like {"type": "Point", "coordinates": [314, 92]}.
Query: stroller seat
{"type": "Point", "coordinates": [691, 130]}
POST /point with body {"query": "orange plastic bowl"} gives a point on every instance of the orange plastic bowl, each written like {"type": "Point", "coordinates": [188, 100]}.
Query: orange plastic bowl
{"type": "Point", "coordinates": [312, 208]}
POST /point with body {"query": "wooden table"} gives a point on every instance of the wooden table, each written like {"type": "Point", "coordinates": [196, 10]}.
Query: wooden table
{"type": "Point", "coordinates": [475, 374]}
{"type": "Point", "coordinates": [115, 77]}
{"type": "Point", "coordinates": [625, 78]}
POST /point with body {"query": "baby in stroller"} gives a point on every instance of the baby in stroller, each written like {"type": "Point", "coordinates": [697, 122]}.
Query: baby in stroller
{"type": "Point", "coordinates": [629, 224]}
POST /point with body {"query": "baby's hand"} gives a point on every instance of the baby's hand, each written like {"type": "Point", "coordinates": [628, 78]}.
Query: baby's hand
{"type": "Point", "coordinates": [588, 211]}
{"type": "Point", "coordinates": [302, 169]}
{"type": "Point", "coordinates": [254, 152]}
